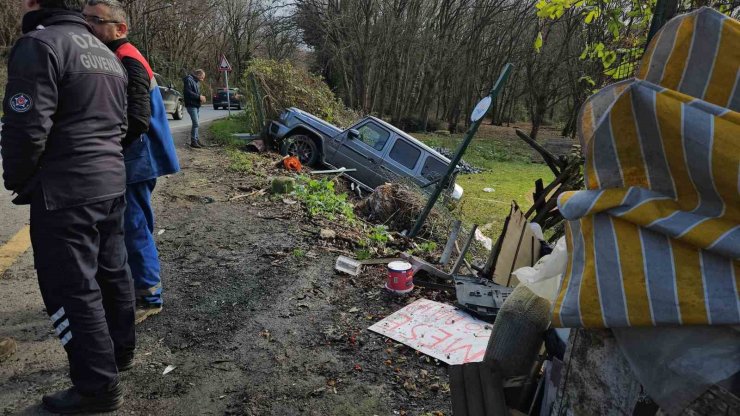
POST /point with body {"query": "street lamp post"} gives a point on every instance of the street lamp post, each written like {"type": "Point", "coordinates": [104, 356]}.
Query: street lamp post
{"type": "Point", "coordinates": [146, 26]}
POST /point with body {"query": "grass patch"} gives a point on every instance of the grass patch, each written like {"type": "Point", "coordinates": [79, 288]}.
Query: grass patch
{"type": "Point", "coordinates": [241, 162]}
{"type": "Point", "coordinates": [510, 181]}
{"type": "Point", "coordinates": [485, 150]}
{"type": "Point", "coordinates": [509, 173]}
{"type": "Point", "coordinates": [221, 130]}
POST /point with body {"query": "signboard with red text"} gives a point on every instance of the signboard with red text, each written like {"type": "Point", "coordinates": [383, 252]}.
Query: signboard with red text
{"type": "Point", "coordinates": [438, 330]}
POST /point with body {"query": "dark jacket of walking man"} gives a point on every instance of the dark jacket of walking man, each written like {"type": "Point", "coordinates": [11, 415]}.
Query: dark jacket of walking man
{"type": "Point", "coordinates": [148, 149]}
{"type": "Point", "coordinates": [193, 101]}
{"type": "Point", "coordinates": [65, 116]}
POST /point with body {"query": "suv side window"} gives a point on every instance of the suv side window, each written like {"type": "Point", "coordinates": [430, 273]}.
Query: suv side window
{"type": "Point", "coordinates": [374, 136]}
{"type": "Point", "coordinates": [405, 154]}
{"type": "Point", "coordinates": [433, 169]}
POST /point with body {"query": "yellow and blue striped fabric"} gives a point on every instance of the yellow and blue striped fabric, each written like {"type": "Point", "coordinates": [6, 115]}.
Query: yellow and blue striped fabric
{"type": "Point", "coordinates": [655, 237]}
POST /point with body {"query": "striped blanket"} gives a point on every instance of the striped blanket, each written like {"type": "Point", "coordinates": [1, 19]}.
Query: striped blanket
{"type": "Point", "coordinates": [655, 237]}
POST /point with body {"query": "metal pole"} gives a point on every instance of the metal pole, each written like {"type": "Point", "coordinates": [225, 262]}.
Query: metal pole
{"type": "Point", "coordinates": [464, 251]}
{"type": "Point", "coordinates": [459, 154]}
{"type": "Point", "coordinates": [447, 253]}
{"type": "Point", "coordinates": [228, 97]}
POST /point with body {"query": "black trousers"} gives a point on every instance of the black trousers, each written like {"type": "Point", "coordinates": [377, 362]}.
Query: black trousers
{"type": "Point", "coordinates": [80, 258]}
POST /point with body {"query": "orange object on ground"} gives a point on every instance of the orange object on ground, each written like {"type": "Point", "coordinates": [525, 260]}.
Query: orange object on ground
{"type": "Point", "coordinates": [292, 163]}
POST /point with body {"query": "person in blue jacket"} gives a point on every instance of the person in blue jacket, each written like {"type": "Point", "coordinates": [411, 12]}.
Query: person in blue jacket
{"type": "Point", "coordinates": [149, 152]}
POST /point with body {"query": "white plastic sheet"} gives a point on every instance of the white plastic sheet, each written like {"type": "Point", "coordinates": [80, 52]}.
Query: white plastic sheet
{"type": "Point", "coordinates": [544, 277]}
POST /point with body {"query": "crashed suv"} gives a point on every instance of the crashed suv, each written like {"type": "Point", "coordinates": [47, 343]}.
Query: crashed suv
{"type": "Point", "coordinates": [377, 151]}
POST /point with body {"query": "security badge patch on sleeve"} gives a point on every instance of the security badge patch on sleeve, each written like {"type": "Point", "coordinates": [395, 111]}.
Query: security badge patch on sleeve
{"type": "Point", "coordinates": [20, 103]}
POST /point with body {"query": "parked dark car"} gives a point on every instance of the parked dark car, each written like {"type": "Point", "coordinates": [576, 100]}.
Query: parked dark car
{"type": "Point", "coordinates": [172, 98]}
{"type": "Point", "coordinates": [235, 98]}
{"type": "Point", "coordinates": [378, 151]}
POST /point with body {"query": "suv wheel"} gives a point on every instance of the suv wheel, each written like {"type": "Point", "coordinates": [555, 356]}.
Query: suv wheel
{"type": "Point", "coordinates": [177, 114]}
{"type": "Point", "coordinates": [303, 147]}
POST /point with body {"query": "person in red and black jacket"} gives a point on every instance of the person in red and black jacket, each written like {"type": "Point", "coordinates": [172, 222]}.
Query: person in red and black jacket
{"type": "Point", "coordinates": [148, 150]}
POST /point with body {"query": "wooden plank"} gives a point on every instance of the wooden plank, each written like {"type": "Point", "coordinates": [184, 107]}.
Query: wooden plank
{"type": "Point", "coordinates": [492, 385]}
{"type": "Point", "coordinates": [473, 389]}
{"type": "Point", "coordinates": [457, 391]}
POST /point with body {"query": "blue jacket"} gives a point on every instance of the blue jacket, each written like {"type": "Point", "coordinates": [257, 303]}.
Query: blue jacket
{"type": "Point", "coordinates": [191, 91]}
{"type": "Point", "coordinates": [153, 154]}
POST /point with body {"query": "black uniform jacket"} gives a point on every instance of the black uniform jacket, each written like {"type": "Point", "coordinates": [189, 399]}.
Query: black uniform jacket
{"type": "Point", "coordinates": [65, 113]}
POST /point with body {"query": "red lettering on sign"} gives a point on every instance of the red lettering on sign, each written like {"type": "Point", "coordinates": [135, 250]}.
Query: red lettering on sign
{"type": "Point", "coordinates": [467, 347]}
{"type": "Point", "coordinates": [414, 336]}
{"type": "Point", "coordinates": [470, 326]}
{"type": "Point", "coordinates": [437, 338]}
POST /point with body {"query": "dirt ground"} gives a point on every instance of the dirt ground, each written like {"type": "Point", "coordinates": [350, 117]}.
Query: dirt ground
{"type": "Point", "coordinates": [251, 325]}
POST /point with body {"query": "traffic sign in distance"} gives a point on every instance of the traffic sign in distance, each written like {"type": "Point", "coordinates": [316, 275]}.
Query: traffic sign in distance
{"type": "Point", "coordinates": [224, 65]}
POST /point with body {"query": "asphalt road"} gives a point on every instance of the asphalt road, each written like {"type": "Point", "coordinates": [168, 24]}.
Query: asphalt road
{"type": "Point", "coordinates": [207, 113]}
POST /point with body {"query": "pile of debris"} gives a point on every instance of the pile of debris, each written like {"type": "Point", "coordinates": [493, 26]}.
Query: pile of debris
{"type": "Point", "coordinates": [463, 166]}
{"type": "Point", "coordinates": [397, 205]}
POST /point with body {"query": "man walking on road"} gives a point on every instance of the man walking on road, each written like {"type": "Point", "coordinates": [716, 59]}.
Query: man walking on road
{"type": "Point", "coordinates": [148, 149]}
{"type": "Point", "coordinates": [65, 116]}
{"type": "Point", "coordinates": [193, 101]}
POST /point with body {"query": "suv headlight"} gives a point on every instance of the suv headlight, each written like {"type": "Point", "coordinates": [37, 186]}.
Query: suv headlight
{"type": "Point", "coordinates": [283, 116]}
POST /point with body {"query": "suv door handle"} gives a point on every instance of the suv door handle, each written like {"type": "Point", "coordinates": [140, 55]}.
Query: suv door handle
{"type": "Point", "coordinates": [371, 160]}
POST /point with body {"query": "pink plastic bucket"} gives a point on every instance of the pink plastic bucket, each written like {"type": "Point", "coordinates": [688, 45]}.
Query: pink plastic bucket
{"type": "Point", "coordinates": [400, 277]}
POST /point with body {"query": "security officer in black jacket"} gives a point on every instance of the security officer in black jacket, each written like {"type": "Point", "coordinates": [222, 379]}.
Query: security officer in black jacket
{"type": "Point", "coordinates": [65, 116]}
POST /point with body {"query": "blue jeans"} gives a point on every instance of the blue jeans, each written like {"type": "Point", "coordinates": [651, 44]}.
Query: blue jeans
{"type": "Point", "coordinates": [143, 257]}
{"type": "Point", "coordinates": [194, 113]}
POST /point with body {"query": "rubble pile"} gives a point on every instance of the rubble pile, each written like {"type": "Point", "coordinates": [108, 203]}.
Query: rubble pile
{"type": "Point", "coordinates": [464, 166]}
{"type": "Point", "coordinates": [397, 205]}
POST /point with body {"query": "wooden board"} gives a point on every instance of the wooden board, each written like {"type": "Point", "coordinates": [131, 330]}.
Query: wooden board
{"type": "Point", "coordinates": [518, 248]}
{"type": "Point", "coordinates": [477, 389]}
